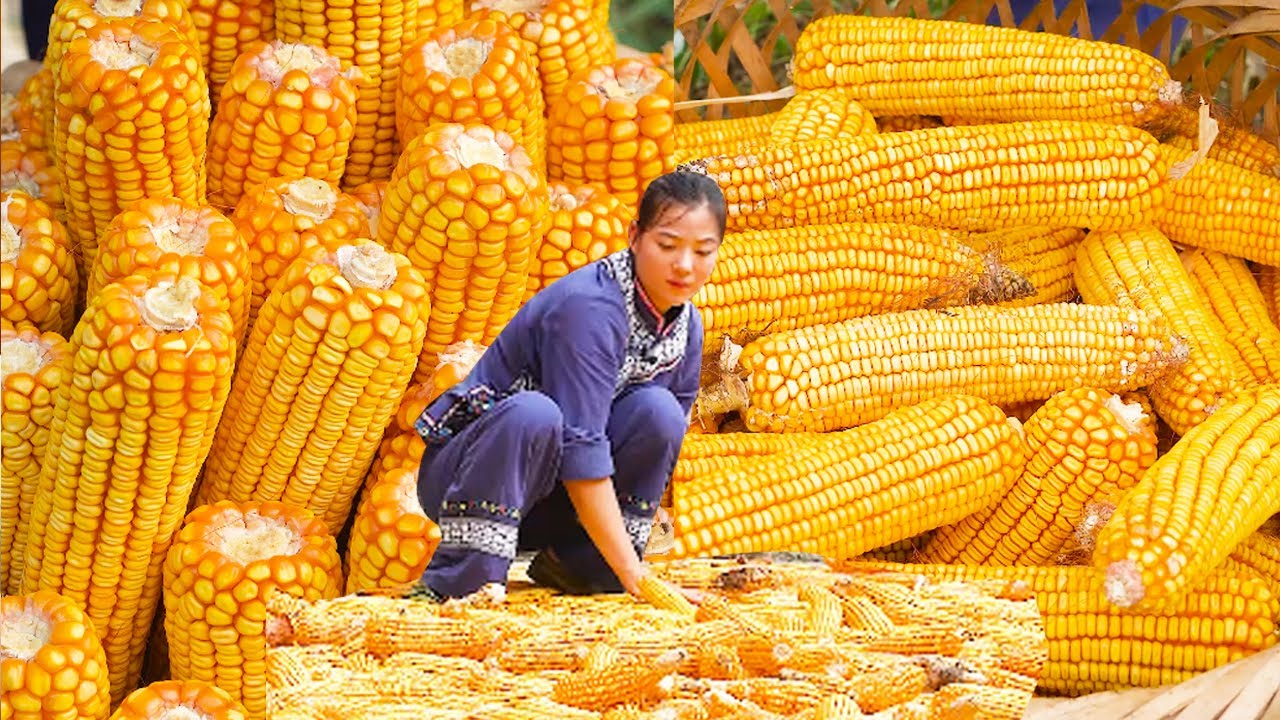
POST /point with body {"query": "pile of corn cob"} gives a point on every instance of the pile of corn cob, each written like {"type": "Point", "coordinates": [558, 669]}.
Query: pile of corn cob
{"type": "Point", "coordinates": [992, 304]}
{"type": "Point", "coordinates": [234, 234]}
{"type": "Point", "coordinates": [769, 640]}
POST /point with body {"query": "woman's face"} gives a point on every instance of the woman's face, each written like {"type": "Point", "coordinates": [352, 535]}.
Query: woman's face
{"type": "Point", "coordinates": [676, 254]}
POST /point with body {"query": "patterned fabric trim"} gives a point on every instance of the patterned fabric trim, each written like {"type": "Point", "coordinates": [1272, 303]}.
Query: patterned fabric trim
{"type": "Point", "coordinates": [469, 406]}
{"type": "Point", "coordinates": [638, 505]}
{"type": "Point", "coordinates": [484, 509]}
{"type": "Point", "coordinates": [647, 354]}
{"type": "Point", "coordinates": [638, 528]}
{"type": "Point", "coordinates": [491, 537]}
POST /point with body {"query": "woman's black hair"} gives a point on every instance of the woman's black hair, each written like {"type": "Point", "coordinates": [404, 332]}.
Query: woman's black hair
{"type": "Point", "coordinates": [679, 189]}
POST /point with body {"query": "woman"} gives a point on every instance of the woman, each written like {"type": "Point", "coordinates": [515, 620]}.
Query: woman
{"type": "Point", "coordinates": [563, 436]}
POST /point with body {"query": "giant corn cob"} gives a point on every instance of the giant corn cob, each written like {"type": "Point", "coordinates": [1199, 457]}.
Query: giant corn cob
{"type": "Point", "coordinates": [473, 237]}
{"type": "Point", "coordinates": [1139, 268]}
{"type": "Point", "coordinates": [614, 125]}
{"type": "Point", "coordinates": [705, 138]}
{"type": "Point", "coordinates": [437, 14]}
{"type": "Point", "coordinates": [1095, 646]}
{"type": "Point", "coordinates": [587, 223]}
{"type": "Point", "coordinates": [168, 235]}
{"type": "Point", "coordinates": [38, 277]}
{"type": "Point", "coordinates": [1234, 145]}
{"type": "Point", "coordinates": [132, 122]}
{"type": "Point", "coordinates": [1210, 491]}
{"type": "Point", "coordinates": [217, 575]}
{"type": "Point", "coordinates": [370, 36]}
{"type": "Point", "coordinates": [51, 660]}
{"type": "Point", "coordinates": [179, 700]}
{"type": "Point", "coordinates": [857, 490]}
{"type": "Point", "coordinates": [227, 29]}
{"type": "Point", "coordinates": [978, 177]}
{"type": "Point", "coordinates": [562, 37]}
{"type": "Point", "coordinates": [1260, 553]}
{"type": "Point", "coordinates": [477, 71]}
{"type": "Point", "coordinates": [1226, 287]}
{"type": "Point", "coordinates": [30, 171]}
{"type": "Point", "coordinates": [283, 218]}
{"type": "Point", "coordinates": [34, 111]}
{"type": "Point", "coordinates": [35, 364]}
{"type": "Point", "coordinates": [1220, 207]}
{"type": "Point", "coordinates": [910, 66]}
{"type": "Point", "coordinates": [849, 373]}
{"type": "Point", "coordinates": [151, 368]}
{"type": "Point", "coordinates": [1084, 444]}
{"type": "Point", "coordinates": [286, 112]}
{"type": "Point", "coordinates": [392, 539]}
{"type": "Point", "coordinates": [322, 373]}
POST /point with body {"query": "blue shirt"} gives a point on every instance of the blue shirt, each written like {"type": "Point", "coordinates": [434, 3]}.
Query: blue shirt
{"type": "Point", "coordinates": [581, 341]}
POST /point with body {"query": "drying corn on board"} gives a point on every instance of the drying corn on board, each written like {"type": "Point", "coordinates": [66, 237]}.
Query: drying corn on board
{"type": "Point", "coordinates": [995, 339]}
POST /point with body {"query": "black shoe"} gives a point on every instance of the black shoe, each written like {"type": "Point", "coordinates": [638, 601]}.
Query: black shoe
{"type": "Point", "coordinates": [546, 570]}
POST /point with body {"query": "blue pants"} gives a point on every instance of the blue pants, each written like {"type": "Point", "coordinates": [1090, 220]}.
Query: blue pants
{"type": "Point", "coordinates": [494, 487]}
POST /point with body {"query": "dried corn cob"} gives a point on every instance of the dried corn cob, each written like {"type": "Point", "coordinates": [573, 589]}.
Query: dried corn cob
{"type": "Point", "coordinates": [175, 236]}
{"type": "Point", "coordinates": [474, 239]}
{"type": "Point", "coordinates": [825, 612]}
{"type": "Point", "coordinates": [286, 112]}
{"type": "Point", "coordinates": [777, 280]}
{"type": "Point", "coordinates": [1195, 504]}
{"type": "Point", "coordinates": [1220, 207]}
{"type": "Point", "coordinates": [903, 123]}
{"type": "Point", "coordinates": [1226, 288]}
{"type": "Point", "coordinates": [980, 177]}
{"type": "Point", "coordinates": [477, 71]}
{"type": "Point", "coordinates": [1084, 444]}
{"type": "Point", "coordinates": [992, 703]}
{"type": "Point", "coordinates": [53, 664]}
{"type": "Point", "coordinates": [787, 697]}
{"type": "Point", "coordinates": [38, 276]}
{"type": "Point", "coordinates": [1096, 646]}
{"type": "Point", "coordinates": [132, 122]}
{"type": "Point", "coordinates": [124, 451]}
{"type": "Point", "coordinates": [34, 110]}
{"type": "Point", "coordinates": [368, 197]}
{"type": "Point", "coordinates": [283, 218]}
{"type": "Point", "coordinates": [392, 539]}
{"type": "Point", "coordinates": [587, 223]}
{"type": "Point", "coordinates": [1260, 553]}
{"type": "Point", "coordinates": [910, 66]}
{"type": "Point", "coordinates": [226, 30]}
{"type": "Point", "coordinates": [1269, 284]}
{"type": "Point", "coordinates": [23, 169]}
{"type": "Point", "coordinates": [35, 365]}
{"type": "Point", "coordinates": [614, 125]}
{"type": "Point", "coordinates": [1233, 145]}
{"type": "Point", "coordinates": [856, 490]}
{"type": "Point", "coordinates": [419, 628]}
{"type": "Point", "coordinates": [401, 452]}
{"type": "Point", "coordinates": [321, 376]}
{"type": "Point", "coordinates": [1139, 268]}
{"type": "Point", "coordinates": [370, 36]}
{"type": "Point", "coordinates": [661, 595]}
{"type": "Point", "coordinates": [178, 699]}
{"type": "Point", "coordinates": [1043, 257]}
{"type": "Point", "coordinates": [222, 565]}
{"type": "Point", "coordinates": [845, 374]}
{"type": "Point", "coordinates": [562, 37]}
{"type": "Point", "coordinates": [631, 680]}
{"type": "Point", "coordinates": [707, 138]}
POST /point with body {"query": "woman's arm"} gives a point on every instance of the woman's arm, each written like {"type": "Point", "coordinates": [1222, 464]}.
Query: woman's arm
{"type": "Point", "coordinates": [596, 503]}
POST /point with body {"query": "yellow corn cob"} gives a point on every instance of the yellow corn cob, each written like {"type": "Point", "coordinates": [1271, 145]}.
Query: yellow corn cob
{"type": "Point", "coordinates": [859, 489]}
{"type": "Point", "coordinates": [437, 14]}
{"type": "Point", "coordinates": [1139, 268]}
{"type": "Point", "coordinates": [587, 223]}
{"type": "Point", "coordinates": [631, 680]}
{"type": "Point", "coordinates": [368, 197]}
{"type": "Point", "coordinates": [661, 595]}
{"type": "Point", "coordinates": [34, 110]}
{"type": "Point", "coordinates": [370, 36]}
{"type": "Point", "coordinates": [392, 539]}
{"type": "Point", "coordinates": [777, 280]}
{"type": "Point", "coordinates": [825, 613]}
{"type": "Point", "coordinates": [787, 697]}
{"type": "Point", "coordinates": [222, 565]}
{"type": "Point", "coordinates": [707, 138]}
{"type": "Point", "coordinates": [991, 703]}
{"type": "Point", "coordinates": [124, 451]}
{"type": "Point", "coordinates": [1269, 284]}
{"type": "Point", "coordinates": [845, 374]}
{"type": "Point", "coordinates": [474, 237]}
{"type": "Point", "coordinates": [562, 36]}
{"type": "Point", "coordinates": [1260, 553]}
{"type": "Point", "coordinates": [475, 72]}
{"type": "Point", "coordinates": [286, 112]}
{"type": "Point", "coordinates": [903, 123]}
{"type": "Point", "coordinates": [132, 122]}
{"type": "Point", "coordinates": [979, 177]}
{"type": "Point", "coordinates": [1195, 504]}
{"type": "Point", "coordinates": [1234, 145]}
{"type": "Point", "coordinates": [400, 452]}
{"type": "Point", "coordinates": [29, 171]}
{"type": "Point", "coordinates": [1043, 257]}
{"type": "Point", "coordinates": [1238, 311]}
{"type": "Point", "coordinates": [910, 66]}
{"type": "Point", "coordinates": [321, 376]}
{"type": "Point", "coordinates": [38, 277]}
{"type": "Point", "coordinates": [1084, 444]}
{"type": "Point", "coordinates": [1095, 646]}
{"type": "Point", "coordinates": [52, 661]}
{"type": "Point", "coordinates": [283, 218]}
{"type": "Point", "coordinates": [614, 125]}
{"type": "Point", "coordinates": [35, 365]}
{"type": "Point", "coordinates": [1220, 207]}
{"type": "Point", "coordinates": [227, 29]}
{"type": "Point", "coordinates": [164, 234]}
{"type": "Point", "coordinates": [177, 699]}
{"type": "Point", "coordinates": [418, 628]}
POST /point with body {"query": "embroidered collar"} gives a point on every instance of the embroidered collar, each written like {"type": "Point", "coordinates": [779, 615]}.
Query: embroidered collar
{"type": "Point", "coordinates": [659, 323]}
{"type": "Point", "coordinates": [648, 352]}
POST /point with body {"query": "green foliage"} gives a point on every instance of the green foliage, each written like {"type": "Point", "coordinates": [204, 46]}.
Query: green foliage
{"type": "Point", "coordinates": [642, 24]}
